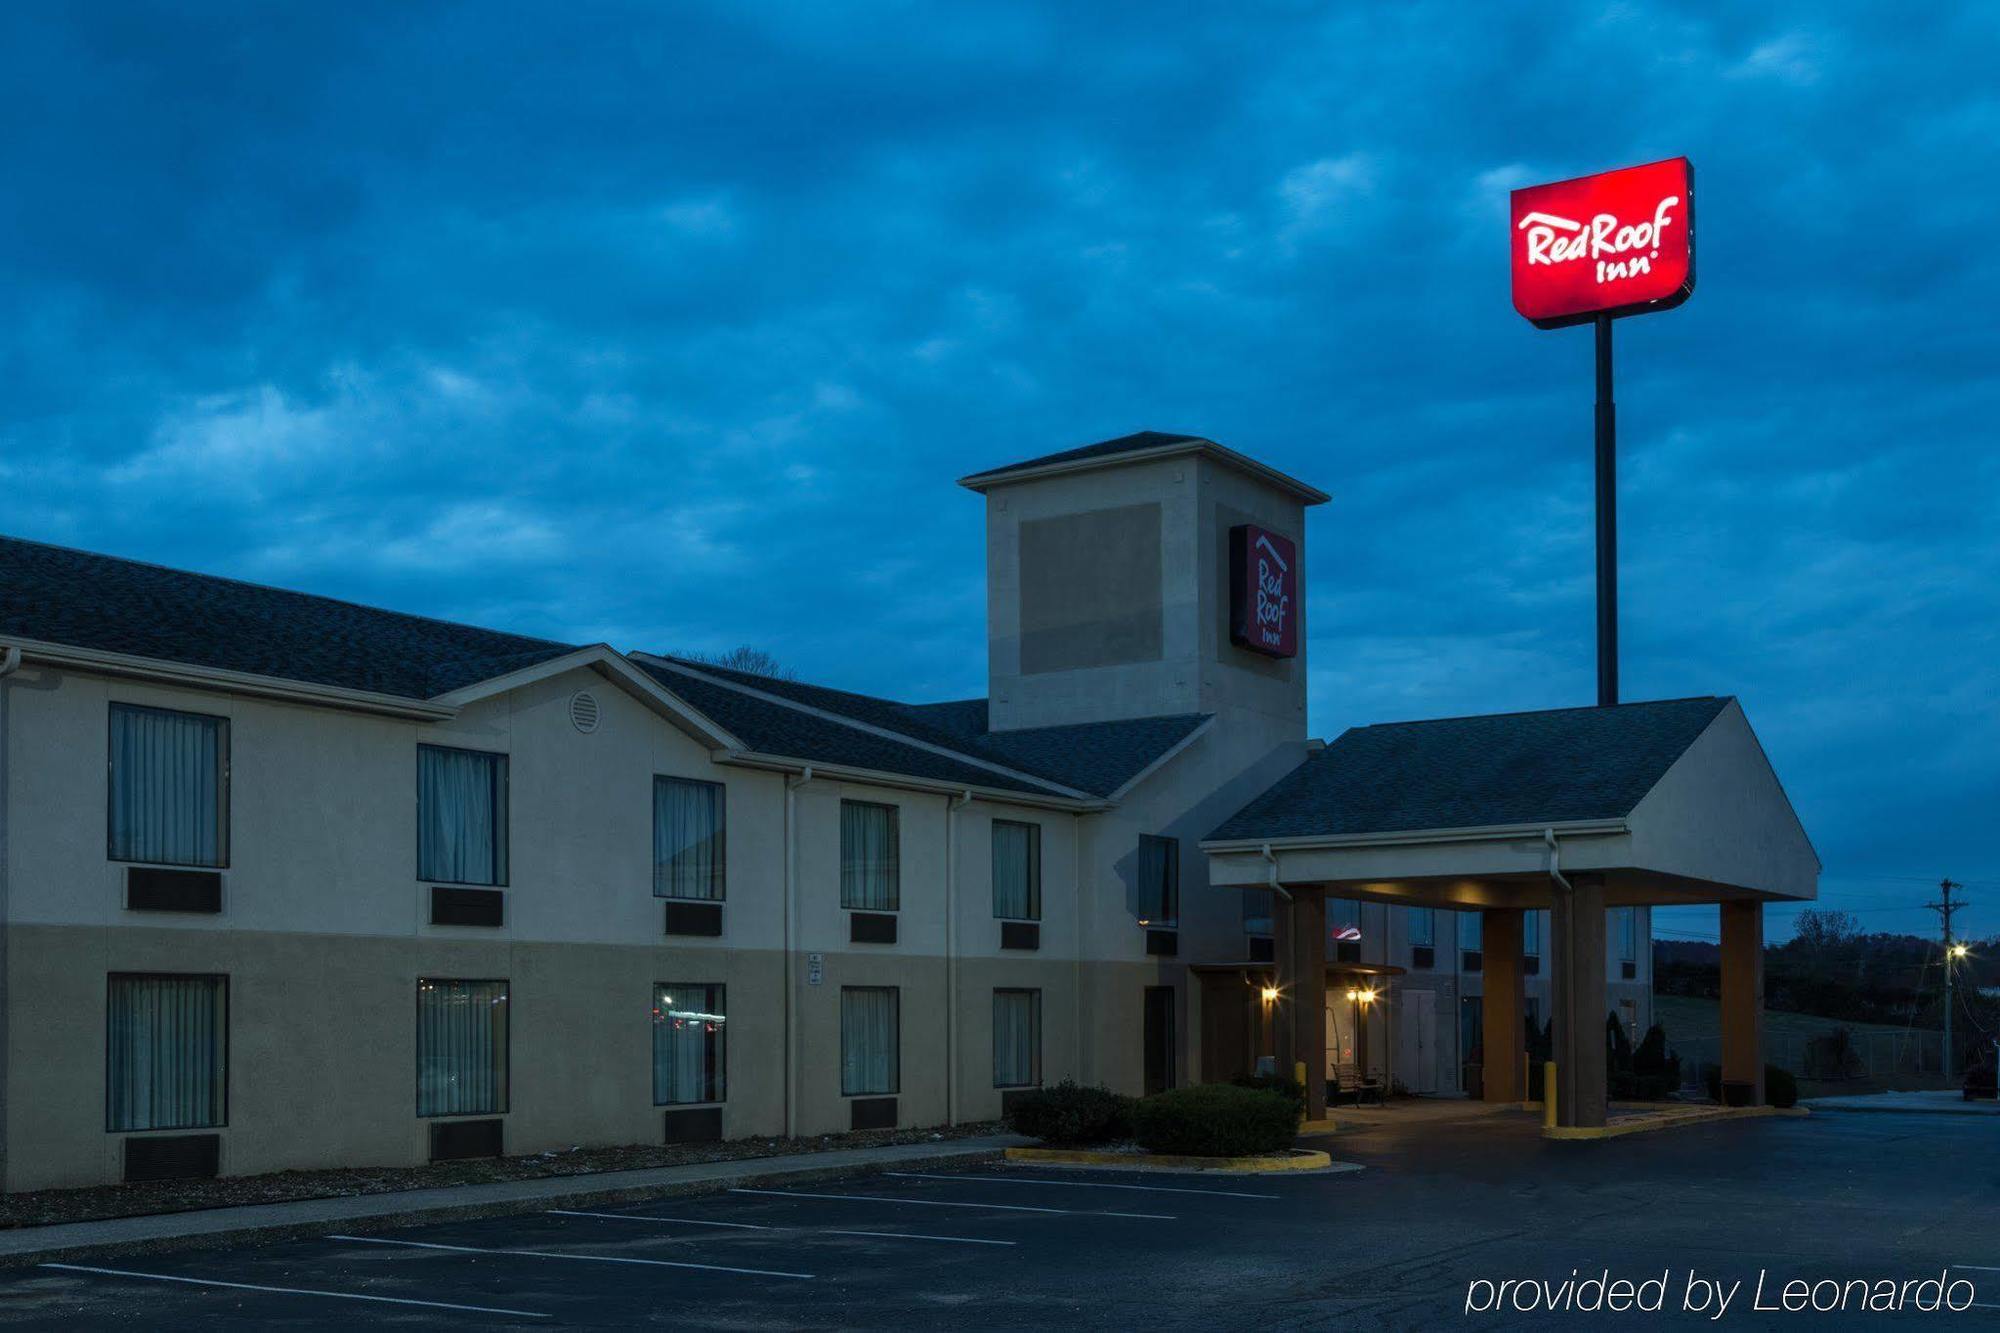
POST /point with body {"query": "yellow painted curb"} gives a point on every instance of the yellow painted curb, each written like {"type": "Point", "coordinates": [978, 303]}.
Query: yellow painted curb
{"type": "Point", "coordinates": [1313, 1129]}
{"type": "Point", "coordinates": [1670, 1120]}
{"type": "Point", "coordinates": [1299, 1160]}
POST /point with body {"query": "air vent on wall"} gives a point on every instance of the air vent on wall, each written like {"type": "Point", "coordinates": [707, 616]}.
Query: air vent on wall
{"type": "Point", "coordinates": [583, 711]}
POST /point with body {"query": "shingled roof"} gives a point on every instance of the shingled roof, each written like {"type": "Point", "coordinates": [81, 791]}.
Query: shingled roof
{"type": "Point", "coordinates": [1097, 758]}
{"type": "Point", "coordinates": [56, 595]}
{"type": "Point", "coordinates": [1496, 770]}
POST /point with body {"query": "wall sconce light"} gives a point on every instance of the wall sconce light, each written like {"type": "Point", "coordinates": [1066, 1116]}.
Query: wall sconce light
{"type": "Point", "coordinates": [1270, 995]}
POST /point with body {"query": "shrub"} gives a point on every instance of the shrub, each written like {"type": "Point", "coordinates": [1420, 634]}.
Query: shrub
{"type": "Point", "coordinates": [1289, 1088]}
{"type": "Point", "coordinates": [1780, 1088]}
{"type": "Point", "coordinates": [1216, 1120]}
{"type": "Point", "coordinates": [1069, 1116]}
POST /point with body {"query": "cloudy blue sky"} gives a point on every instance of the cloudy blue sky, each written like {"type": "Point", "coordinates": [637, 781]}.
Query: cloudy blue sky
{"type": "Point", "coordinates": [671, 326]}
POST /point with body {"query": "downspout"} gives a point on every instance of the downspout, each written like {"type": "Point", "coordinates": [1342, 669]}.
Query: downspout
{"type": "Point", "coordinates": [1559, 974]}
{"type": "Point", "coordinates": [10, 662]}
{"type": "Point", "coordinates": [1076, 905]}
{"type": "Point", "coordinates": [792, 784]}
{"type": "Point", "coordinates": [952, 806]}
{"type": "Point", "coordinates": [1555, 860]}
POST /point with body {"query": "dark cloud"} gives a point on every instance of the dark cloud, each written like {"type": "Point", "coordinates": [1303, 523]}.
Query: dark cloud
{"type": "Point", "coordinates": [673, 328]}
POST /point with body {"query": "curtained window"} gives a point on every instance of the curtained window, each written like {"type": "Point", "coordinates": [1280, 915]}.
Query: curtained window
{"type": "Point", "coordinates": [1017, 1038]}
{"type": "Point", "coordinates": [461, 816]}
{"type": "Point", "coordinates": [1628, 935]}
{"type": "Point", "coordinates": [870, 876]}
{"type": "Point", "coordinates": [1423, 926]}
{"type": "Point", "coordinates": [688, 1035]}
{"type": "Point", "coordinates": [1159, 881]}
{"type": "Point", "coordinates": [166, 1052]}
{"type": "Point", "coordinates": [870, 1039]}
{"type": "Point", "coordinates": [1531, 934]}
{"type": "Point", "coordinates": [688, 843]}
{"type": "Point", "coordinates": [461, 1047]}
{"type": "Point", "coordinates": [1470, 928]}
{"type": "Point", "coordinates": [1257, 904]}
{"type": "Point", "coordinates": [169, 787]}
{"type": "Point", "coordinates": [1017, 871]}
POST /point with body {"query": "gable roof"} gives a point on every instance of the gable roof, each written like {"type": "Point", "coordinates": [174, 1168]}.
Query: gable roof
{"type": "Point", "coordinates": [52, 594]}
{"type": "Point", "coordinates": [1098, 758]}
{"type": "Point", "coordinates": [1496, 770]}
{"type": "Point", "coordinates": [1139, 446]}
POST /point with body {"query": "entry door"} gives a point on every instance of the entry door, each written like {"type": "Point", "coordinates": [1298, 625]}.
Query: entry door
{"type": "Point", "coordinates": [1162, 1038]}
{"type": "Point", "coordinates": [1423, 1018]}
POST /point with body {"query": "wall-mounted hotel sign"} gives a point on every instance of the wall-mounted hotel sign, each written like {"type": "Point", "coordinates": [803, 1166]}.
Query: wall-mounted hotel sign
{"type": "Point", "coordinates": [1263, 591]}
{"type": "Point", "coordinates": [1588, 251]}
{"type": "Point", "coordinates": [1617, 243]}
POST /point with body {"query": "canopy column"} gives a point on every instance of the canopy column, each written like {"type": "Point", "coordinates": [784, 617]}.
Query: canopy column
{"type": "Point", "coordinates": [1576, 923]}
{"type": "Point", "coordinates": [1504, 1005]}
{"type": "Point", "coordinates": [1299, 1015]}
{"type": "Point", "coordinates": [1743, 1003]}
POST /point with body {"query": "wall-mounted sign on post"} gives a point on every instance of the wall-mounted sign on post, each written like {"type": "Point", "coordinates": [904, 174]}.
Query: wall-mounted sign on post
{"type": "Point", "coordinates": [1263, 591]}
{"type": "Point", "coordinates": [1588, 251]}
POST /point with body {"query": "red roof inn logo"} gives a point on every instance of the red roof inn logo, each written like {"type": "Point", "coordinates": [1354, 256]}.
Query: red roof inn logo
{"type": "Point", "coordinates": [1263, 591]}
{"type": "Point", "coordinates": [1618, 243]}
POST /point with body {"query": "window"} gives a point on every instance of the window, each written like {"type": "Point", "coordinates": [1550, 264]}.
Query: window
{"type": "Point", "coordinates": [169, 792]}
{"type": "Point", "coordinates": [1017, 1038]}
{"type": "Point", "coordinates": [1531, 933]}
{"type": "Point", "coordinates": [688, 1035]}
{"type": "Point", "coordinates": [461, 1047]}
{"type": "Point", "coordinates": [688, 839]}
{"type": "Point", "coordinates": [1423, 926]}
{"type": "Point", "coordinates": [1017, 871]}
{"type": "Point", "coordinates": [1257, 906]}
{"type": "Point", "coordinates": [1159, 881]}
{"type": "Point", "coordinates": [1470, 926]}
{"type": "Point", "coordinates": [461, 816]}
{"type": "Point", "coordinates": [870, 876]}
{"type": "Point", "coordinates": [1628, 938]}
{"type": "Point", "coordinates": [870, 1039]}
{"type": "Point", "coordinates": [166, 1052]}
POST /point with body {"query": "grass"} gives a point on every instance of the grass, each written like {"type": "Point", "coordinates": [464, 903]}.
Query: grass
{"type": "Point", "coordinates": [1687, 1017]}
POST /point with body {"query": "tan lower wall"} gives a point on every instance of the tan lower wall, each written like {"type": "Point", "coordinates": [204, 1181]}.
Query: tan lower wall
{"type": "Point", "coordinates": [322, 1040]}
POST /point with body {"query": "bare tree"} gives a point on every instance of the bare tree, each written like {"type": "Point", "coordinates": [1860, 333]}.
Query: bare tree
{"type": "Point", "coordinates": [1822, 930]}
{"type": "Point", "coordinates": [746, 658]}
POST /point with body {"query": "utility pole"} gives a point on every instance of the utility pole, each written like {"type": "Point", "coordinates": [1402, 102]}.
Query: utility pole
{"type": "Point", "coordinates": [1944, 907]}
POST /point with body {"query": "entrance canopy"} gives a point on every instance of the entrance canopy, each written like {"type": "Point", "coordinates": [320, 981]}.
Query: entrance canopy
{"type": "Point", "coordinates": [1663, 803]}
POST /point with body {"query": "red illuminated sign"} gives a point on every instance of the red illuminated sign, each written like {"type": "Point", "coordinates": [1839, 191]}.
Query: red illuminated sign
{"type": "Point", "coordinates": [1263, 591]}
{"type": "Point", "coordinates": [1617, 243]}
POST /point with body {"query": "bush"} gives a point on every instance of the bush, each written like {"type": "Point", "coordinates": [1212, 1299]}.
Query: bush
{"type": "Point", "coordinates": [1216, 1120]}
{"type": "Point", "coordinates": [1289, 1088]}
{"type": "Point", "coordinates": [1780, 1088]}
{"type": "Point", "coordinates": [1069, 1116]}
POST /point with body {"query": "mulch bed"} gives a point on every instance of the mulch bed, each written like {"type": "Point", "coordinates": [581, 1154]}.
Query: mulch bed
{"type": "Point", "coordinates": [42, 1207]}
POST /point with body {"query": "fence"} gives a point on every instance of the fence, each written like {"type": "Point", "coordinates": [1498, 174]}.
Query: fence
{"type": "Point", "coordinates": [1836, 1055]}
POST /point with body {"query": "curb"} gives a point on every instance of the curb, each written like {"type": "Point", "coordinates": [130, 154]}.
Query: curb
{"type": "Point", "coordinates": [1317, 1129]}
{"type": "Point", "coordinates": [1299, 1159]}
{"type": "Point", "coordinates": [390, 1217]}
{"type": "Point", "coordinates": [1987, 1111]}
{"type": "Point", "coordinates": [1651, 1123]}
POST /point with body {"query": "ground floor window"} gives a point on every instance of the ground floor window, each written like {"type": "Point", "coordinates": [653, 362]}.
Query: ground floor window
{"type": "Point", "coordinates": [166, 1052]}
{"type": "Point", "coordinates": [870, 1039]}
{"type": "Point", "coordinates": [1017, 1038]}
{"type": "Point", "coordinates": [461, 1047]}
{"type": "Point", "coordinates": [688, 1034]}
{"type": "Point", "coordinates": [1162, 1039]}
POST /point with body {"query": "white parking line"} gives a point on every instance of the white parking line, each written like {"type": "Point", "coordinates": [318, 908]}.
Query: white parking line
{"type": "Point", "coordinates": [553, 1254]}
{"type": "Point", "coordinates": [953, 1203]}
{"type": "Point", "coordinates": [292, 1291]}
{"type": "Point", "coordinates": [1080, 1184]}
{"type": "Point", "coordinates": [807, 1231]}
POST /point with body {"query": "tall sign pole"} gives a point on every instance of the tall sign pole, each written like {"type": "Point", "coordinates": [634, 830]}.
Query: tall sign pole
{"type": "Point", "coordinates": [1588, 251]}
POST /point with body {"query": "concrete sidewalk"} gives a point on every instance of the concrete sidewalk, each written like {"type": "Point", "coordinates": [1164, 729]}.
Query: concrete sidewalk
{"type": "Point", "coordinates": [363, 1212]}
{"type": "Point", "coordinates": [1947, 1102]}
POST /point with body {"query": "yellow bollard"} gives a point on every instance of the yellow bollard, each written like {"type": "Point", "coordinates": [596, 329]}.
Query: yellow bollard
{"type": "Point", "coordinates": [1549, 1095]}
{"type": "Point", "coordinates": [1299, 1072]}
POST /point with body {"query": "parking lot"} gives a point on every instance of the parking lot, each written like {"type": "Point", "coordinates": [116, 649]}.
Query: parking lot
{"type": "Point", "coordinates": [1394, 1245]}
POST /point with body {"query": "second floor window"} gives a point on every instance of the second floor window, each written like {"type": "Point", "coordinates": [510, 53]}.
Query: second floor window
{"type": "Point", "coordinates": [688, 841]}
{"type": "Point", "coordinates": [1471, 925]}
{"type": "Point", "coordinates": [169, 787]}
{"type": "Point", "coordinates": [1257, 907]}
{"type": "Point", "coordinates": [1625, 919]}
{"type": "Point", "coordinates": [1531, 934]}
{"type": "Point", "coordinates": [461, 816]}
{"type": "Point", "coordinates": [870, 870]}
{"type": "Point", "coordinates": [1159, 881]}
{"type": "Point", "coordinates": [1423, 927]}
{"type": "Point", "coordinates": [1017, 871]}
